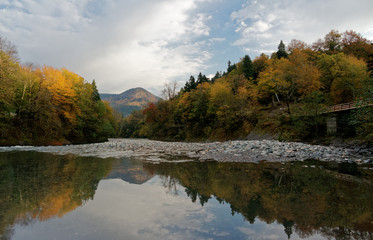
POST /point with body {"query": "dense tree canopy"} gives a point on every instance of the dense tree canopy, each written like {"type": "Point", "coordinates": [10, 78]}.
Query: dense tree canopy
{"type": "Point", "coordinates": [270, 93]}
{"type": "Point", "coordinates": [48, 106]}
{"type": "Point", "coordinates": [55, 106]}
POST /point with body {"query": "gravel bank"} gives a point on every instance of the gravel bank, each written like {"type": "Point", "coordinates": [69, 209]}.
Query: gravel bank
{"type": "Point", "coordinates": [230, 151]}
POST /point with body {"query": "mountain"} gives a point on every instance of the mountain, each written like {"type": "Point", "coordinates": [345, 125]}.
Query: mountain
{"type": "Point", "coordinates": [134, 175]}
{"type": "Point", "coordinates": [130, 100]}
{"type": "Point", "coordinates": [129, 171]}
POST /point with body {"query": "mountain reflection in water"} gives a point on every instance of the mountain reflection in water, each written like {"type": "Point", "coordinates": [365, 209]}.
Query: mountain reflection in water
{"type": "Point", "coordinates": [327, 200]}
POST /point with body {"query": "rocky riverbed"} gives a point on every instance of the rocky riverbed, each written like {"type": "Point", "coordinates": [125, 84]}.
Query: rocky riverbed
{"type": "Point", "coordinates": [230, 151]}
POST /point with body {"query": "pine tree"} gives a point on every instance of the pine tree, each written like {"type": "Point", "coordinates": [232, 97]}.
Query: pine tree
{"type": "Point", "coordinates": [217, 76]}
{"type": "Point", "coordinates": [281, 52]}
{"type": "Point", "coordinates": [190, 85]}
{"type": "Point", "coordinates": [247, 67]}
{"type": "Point", "coordinates": [230, 67]}
{"type": "Point", "coordinates": [288, 225]}
{"type": "Point", "coordinates": [95, 94]}
{"type": "Point", "coordinates": [201, 79]}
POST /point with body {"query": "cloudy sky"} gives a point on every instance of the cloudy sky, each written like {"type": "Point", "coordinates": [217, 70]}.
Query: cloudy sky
{"type": "Point", "coordinates": [145, 43]}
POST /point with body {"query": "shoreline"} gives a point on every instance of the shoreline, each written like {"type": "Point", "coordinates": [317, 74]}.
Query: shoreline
{"type": "Point", "coordinates": [228, 151]}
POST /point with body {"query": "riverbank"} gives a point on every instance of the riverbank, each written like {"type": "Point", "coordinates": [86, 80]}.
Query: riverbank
{"type": "Point", "coordinates": [229, 151]}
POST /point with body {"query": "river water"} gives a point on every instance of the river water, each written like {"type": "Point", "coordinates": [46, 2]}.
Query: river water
{"type": "Point", "coordinates": [48, 196]}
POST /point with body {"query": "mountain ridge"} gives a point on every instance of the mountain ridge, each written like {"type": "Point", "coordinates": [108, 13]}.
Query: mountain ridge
{"type": "Point", "coordinates": [130, 100]}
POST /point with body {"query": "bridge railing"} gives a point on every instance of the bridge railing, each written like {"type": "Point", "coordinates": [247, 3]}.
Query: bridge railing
{"type": "Point", "coordinates": [348, 106]}
{"type": "Point", "coordinates": [342, 107]}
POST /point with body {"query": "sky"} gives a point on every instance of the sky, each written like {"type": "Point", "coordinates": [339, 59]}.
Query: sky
{"type": "Point", "coordinates": [123, 44]}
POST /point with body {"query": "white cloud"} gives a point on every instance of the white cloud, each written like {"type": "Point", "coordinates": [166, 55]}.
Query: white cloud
{"type": "Point", "coordinates": [121, 44]}
{"type": "Point", "coordinates": [124, 44]}
{"type": "Point", "coordinates": [157, 49]}
{"type": "Point", "coordinates": [4, 2]}
{"type": "Point", "coordinates": [122, 210]}
{"type": "Point", "coordinates": [199, 27]}
{"type": "Point", "coordinates": [262, 24]}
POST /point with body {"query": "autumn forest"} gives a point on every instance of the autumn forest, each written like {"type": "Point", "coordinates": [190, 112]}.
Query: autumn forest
{"type": "Point", "coordinates": [48, 106]}
{"type": "Point", "coordinates": [285, 94]}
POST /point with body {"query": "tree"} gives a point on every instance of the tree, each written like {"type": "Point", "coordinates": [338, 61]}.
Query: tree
{"type": "Point", "coordinates": [247, 67]}
{"type": "Point", "coordinates": [231, 67]}
{"type": "Point", "coordinates": [169, 90]}
{"type": "Point", "coordinates": [229, 105]}
{"type": "Point", "coordinates": [304, 73]}
{"type": "Point", "coordinates": [195, 116]}
{"type": "Point", "coordinates": [260, 64]}
{"type": "Point", "coordinates": [370, 63]}
{"type": "Point", "coordinates": [190, 85]}
{"type": "Point", "coordinates": [332, 42]}
{"type": "Point", "coordinates": [201, 79]}
{"type": "Point", "coordinates": [8, 82]}
{"type": "Point", "coordinates": [28, 94]}
{"type": "Point", "coordinates": [363, 117]}
{"type": "Point", "coordinates": [217, 76]}
{"type": "Point", "coordinates": [281, 52]}
{"type": "Point", "coordinates": [8, 48]}
{"type": "Point", "coordinates": [227, 109]}
{"type": "Point", "coordinates": [318, 45]}
{"type": "Point", "coordinates": [277, 80]}
{"type": "Point", "coordinates": [95, 94]}
{"type": "Point", "coordinates": [157, 119]}
{"type": "Point", "coordinates": [9, 68]}
{"type": "Point", "coordinates": [290, 78]}
{"type": "Point", "coordinates": [342, 76]}
{"type": "Point", "coordinates": [48, 105]}
{"type": "Point", "coordinates": [288, 227]}
{"type": "Point", "coordinates": [130, 127]}
{"type": "Point", "coordinates": [354, 44]}
{"type": "Point", "coordinates": [350, 83]}
{"type": "Point", "coordinates": [283, 82]}
{"type": "Point", "coordinates": [297, 44]}
{"type": "Point", "coordinates": [63, 95]}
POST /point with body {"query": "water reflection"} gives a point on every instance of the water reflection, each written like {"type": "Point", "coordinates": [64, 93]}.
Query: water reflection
{"type": "Point", "coordinates": [308, 198]}
{"type": "Point", "coordinates": [37, 187]}
{"type": "Point", "coordinates": [124, 198]}
{"type": "Point", "coordinates": [130, 171]}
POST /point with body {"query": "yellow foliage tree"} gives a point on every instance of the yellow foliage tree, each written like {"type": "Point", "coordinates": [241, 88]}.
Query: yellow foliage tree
{"type": "Point", "coordinates": [305, 74]}
{"type": "Point", "coordinates": [343, 77]}
{"type": "Point", "coordinates": [277, 80]}
{"type": "Point", "coordinates": [63, 93]}
{"type": "Point", "coordinates": [351, 83]}
{"type": "Point", "coordinates": [289, 78]}
{"type": "Point", "coordinates": [8, 82]}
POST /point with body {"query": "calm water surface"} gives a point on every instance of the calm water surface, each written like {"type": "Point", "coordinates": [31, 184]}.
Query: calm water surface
{"type": "Point", "coordinates": [44, 196]}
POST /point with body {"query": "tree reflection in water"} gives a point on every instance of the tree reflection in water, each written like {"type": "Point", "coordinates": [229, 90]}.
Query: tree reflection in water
{"type": "Point", "coordinates": [38, 186]}
{"type": "Point", "coordinates": [306, 197]}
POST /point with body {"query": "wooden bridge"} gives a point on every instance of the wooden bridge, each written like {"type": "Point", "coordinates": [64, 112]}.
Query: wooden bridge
{"type": "Point", "coordinates": [347, 106]}
{"type": "Point", "coordinates": [332, 122]}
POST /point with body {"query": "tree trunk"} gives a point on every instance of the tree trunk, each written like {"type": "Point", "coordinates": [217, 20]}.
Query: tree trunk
{"type": "Point", "coordinates": [288, 105]}
{"type": "Point", "coordinates": [278, 100]}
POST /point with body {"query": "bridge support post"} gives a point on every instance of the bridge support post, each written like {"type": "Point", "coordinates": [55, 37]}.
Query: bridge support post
{"type": "Point", "coordinates": [331, 125]}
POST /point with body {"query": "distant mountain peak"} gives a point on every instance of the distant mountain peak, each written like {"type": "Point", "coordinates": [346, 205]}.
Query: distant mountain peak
{"type": "Point", "coordinates": [130, 100]}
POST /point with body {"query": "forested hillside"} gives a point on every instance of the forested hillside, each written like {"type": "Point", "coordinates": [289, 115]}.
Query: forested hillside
{"type": "Point", "coordinates": [45, 105]}
{"type": "Point", "coordinates": [130, 100]}
{"type": "Point", "coordinates": [282, 94]}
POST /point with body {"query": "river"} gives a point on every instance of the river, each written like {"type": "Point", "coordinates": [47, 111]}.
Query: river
{"type": "Point", "coordinates": [50, 195]}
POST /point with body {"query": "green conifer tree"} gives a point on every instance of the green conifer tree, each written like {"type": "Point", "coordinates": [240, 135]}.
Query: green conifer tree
{"type": "Point", "coordinates": [281, 52]}
{"type": "Point", "coordinates": [247, 67]}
